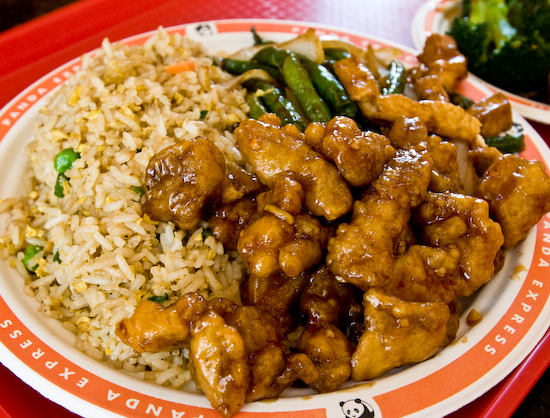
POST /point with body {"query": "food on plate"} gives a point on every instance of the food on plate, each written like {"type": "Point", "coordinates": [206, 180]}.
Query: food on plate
{"type": "Point", "coordinates": [507, 43]}
{"type": "Point", "coordinates": [252, 230]}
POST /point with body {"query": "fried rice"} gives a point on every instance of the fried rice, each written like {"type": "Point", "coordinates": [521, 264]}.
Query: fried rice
{"type": "Point", "coordinates": [98, 254]}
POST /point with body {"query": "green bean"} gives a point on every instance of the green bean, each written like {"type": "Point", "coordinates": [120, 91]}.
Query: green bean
{"type": "Point", "coordinates": [337, 54]}
{"type": "Point", "coordinates": [275, 102]}
{"type": "Point", "coordinates": [65, 159]}
{"type": "Point", "coordinates": [235, 66]}
{"type": "Point", "coordinates": [258, 40]}
{"type": "Point", "coordinates": [330, 88]}
{"type": "Point", "coordinates": [460, 100]}
{"type": "Point", "coordinates": [256, 106]}
{"type": "Point", "coordinates": [271, 56]}
{"type": "Point", "coordinates": [511, 141]}
{"type": "Point", "coordinates": [297, 79]}
{"type": "Point", "coordinates": [29, 253]}
{"type": "Point", "coordinates": [397, 78]}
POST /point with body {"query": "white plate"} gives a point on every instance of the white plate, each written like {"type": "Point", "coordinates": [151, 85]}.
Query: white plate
{"type": "Point", "coordinates": [435, 16]}
{"type": "Point", "coordinates": [514, 304]}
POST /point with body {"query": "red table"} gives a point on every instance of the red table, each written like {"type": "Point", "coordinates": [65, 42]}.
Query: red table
{"type": "Point", "coordinates": [32, 49]}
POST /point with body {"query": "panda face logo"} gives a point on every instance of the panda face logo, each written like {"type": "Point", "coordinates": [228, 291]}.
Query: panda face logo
{"type": "Point", "coordinates": [356, 408]}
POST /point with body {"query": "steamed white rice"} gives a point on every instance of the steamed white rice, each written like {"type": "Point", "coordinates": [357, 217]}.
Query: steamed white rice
{"type": "Point", "coordinates": [117, 112]}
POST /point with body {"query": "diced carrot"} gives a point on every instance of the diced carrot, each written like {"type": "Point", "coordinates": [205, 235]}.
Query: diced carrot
{"type": "Point", "coordinates": [180, 67]}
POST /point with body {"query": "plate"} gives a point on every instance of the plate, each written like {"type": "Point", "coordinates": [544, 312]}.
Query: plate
{"type": "Point", "coordinates": [435, 16]}
{"type": "Point", "coordinates": [514, 304]}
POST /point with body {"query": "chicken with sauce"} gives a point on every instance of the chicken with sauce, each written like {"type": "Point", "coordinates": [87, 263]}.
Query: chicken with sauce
{"type": "Point", "coordinates": [358, 244]}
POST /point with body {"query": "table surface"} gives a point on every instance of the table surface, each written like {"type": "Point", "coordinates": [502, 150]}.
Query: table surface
{"type": "Point", "coordinates": [32, 48]}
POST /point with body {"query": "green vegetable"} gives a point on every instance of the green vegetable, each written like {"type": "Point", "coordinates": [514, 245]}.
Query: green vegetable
{"type": "Point", "coordinates": [330, 88]}
{"type": "Point", "coordinates": [529, 16]}
{"type": "Point", "coordinates": [460, 100]}
{"type": "Point", "coordinates": [139, 190]}
{"type": "Point", "coordinates": [271, 56]}
{"type": "Point", "coordinates": [297, 79]}
{"type": "Point", "coordinates": [337, 54]}
{"type": "Point", "coordinates": [275, 101]}
{"type": "Point", "coordinates": [65, 159]}
{"type": "Point", "coordinates": [203, 114]}
{"type": "Point", "coordinates": [235, 66]}
{"type": "Point", "coordinates": [62, 162]}
{"type": "Point", "coordinates": [511, 141]}
{"type": "Point", "coordinates": [56, 257]}
{"type": "Point", "coordinates": [256, 106]}
{"type": "Point", "coordinates": [29, 253]}
{"type": "Point", "coordinates": [206, 232]}
{"type": "Point", "coordinates": [59, 185]}
{"type": "Point", "coordinates": [258, 40]}
{"type": "Point", "coordinates": [159, 299]}
{"type": "Point", "coordinates": [507, 43]}
{"type": "Point", "coordinates": [397, 78]}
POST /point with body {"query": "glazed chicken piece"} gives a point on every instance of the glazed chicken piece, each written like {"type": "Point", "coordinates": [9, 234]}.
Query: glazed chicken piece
{"type": "Point", "coordinates": [330, 351]}
{"type": "Point", "coordinates": [462, 245]}
{"type": "Point", "coordinates": [441, 118]}
{"type": "Point", "coordinates": [359, 156]}
{"type": "Point", "coordinates": [495, 114]}
{"type": "Point", "coordinates": [271, 369]}
{"type": "Point", "coordinates": [279, 295]}
{"type": "Point", "coordinates": [325, 300]}
{"type": "Point", "coordinates": [257, 327]}
{"type": "Point", "coordinates": [398, 333]}
{"type": "Point", "coordinates": [362, 252]}
{"type": "Point", "coordinates": [270, 245]}
{"type": "Point", "coordinates": [358, 80]}
{"type": "Point", "coordinates": [274, 151]}
{"type": "Point", "coordinates": [239, 183]}
{"type": "Point", "coordinates": [429, 87]}
{"type": "Point", "coordinates": [306, 249]}
{"type": "Point", "coordinates": [406, 176]}
{"type": "Point", "coordinates": [181, 179]}
{"type": "Point", "coordinates": [230, 219]}
{"type": "Point", "coordinates": [218, 362]}
{"type": "Point", "coordinates": [259, 245]}
{"type": "Point", "coordinates": [235, 352]}
{"type": "Point", "coordinates": [282, 237]}
{"type": "Point", "coordinates": [441, 67]}
{"type": "Point", "coordinates": [518, 192]}
{"type": "Point", "coordinates": [426, 274]}
{"type": "Point", "coordinates": [265, 384]}
{"type": "Point", "coordinates": [445, 171]}
{"type": "Point", "coordinates": [154, 328]}
{"type": "Point", "coordinates": [407, 132]}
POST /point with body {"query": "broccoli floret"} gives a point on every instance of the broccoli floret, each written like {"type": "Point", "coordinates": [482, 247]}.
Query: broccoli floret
{"type": "Point", "coordinates": [516, 59]}
{"type": "Point", "coordinates": [530, 16]}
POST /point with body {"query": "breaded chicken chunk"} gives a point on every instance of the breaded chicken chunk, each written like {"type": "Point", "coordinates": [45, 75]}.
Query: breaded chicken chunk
{"type": "Point", "coordinates": [398, 333]}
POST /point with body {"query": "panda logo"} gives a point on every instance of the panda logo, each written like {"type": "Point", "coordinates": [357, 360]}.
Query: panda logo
{"type": "Point", "coordinates": [356, 408]}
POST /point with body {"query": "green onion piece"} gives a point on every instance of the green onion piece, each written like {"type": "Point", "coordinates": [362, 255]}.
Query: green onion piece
{"type": "Point", "coordinates": [65, 159]}
{"type": "Point", "coordinates": [29, 253]}
{"type": "Point", "coordinates": [139, 190]}
{"type": "Point", "coordinates": [203, 114]}
{"type": "Point", "coordinates": [207, 232]}
{"type": "Point", "coordinates": [159, 299]}
{"type": "Point", "coordinates": [57, 258]}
